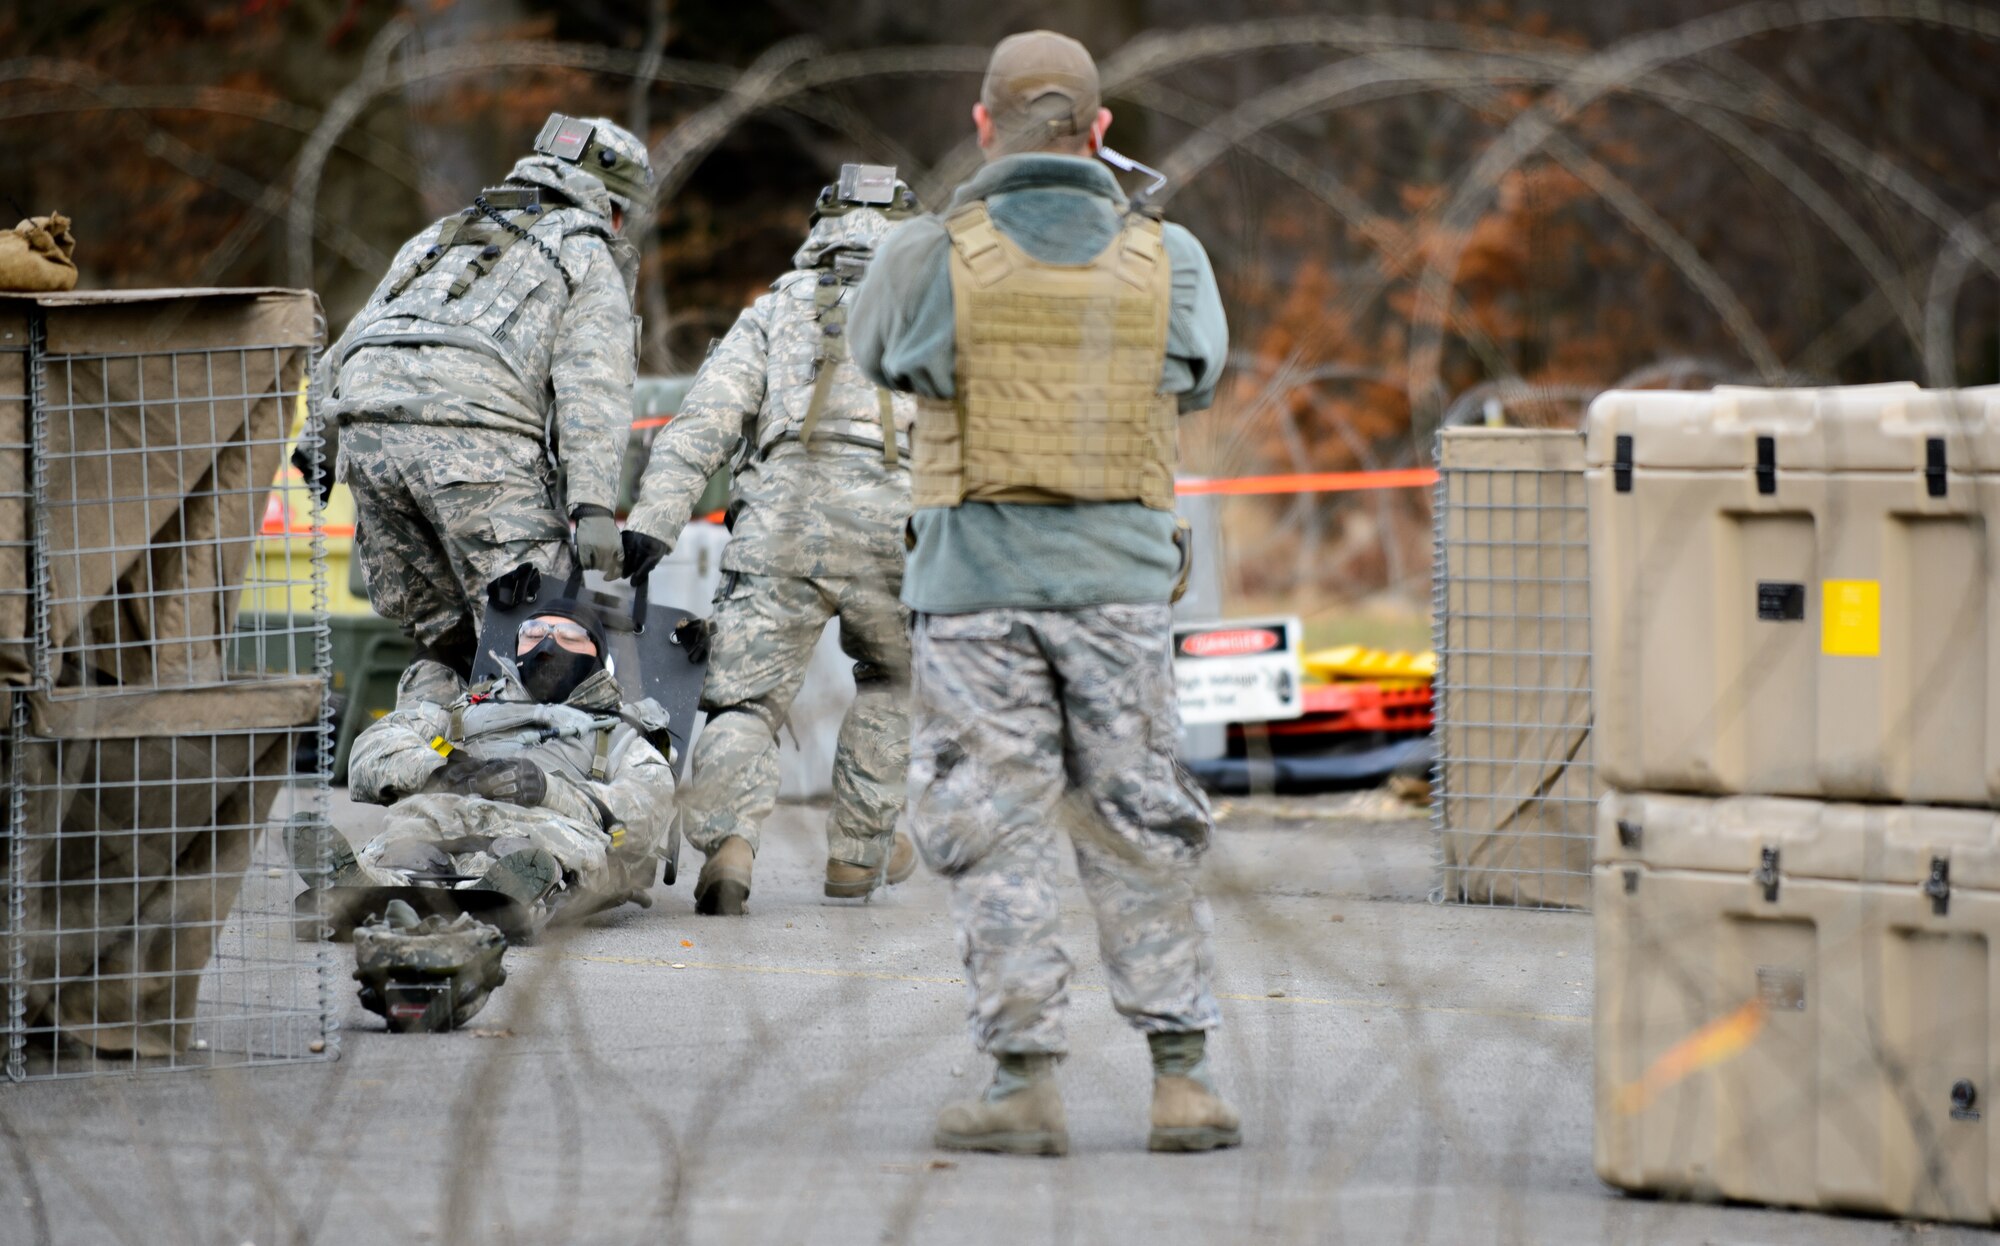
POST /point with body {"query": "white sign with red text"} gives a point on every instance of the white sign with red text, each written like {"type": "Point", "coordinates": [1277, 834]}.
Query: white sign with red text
{"type": "Point", "coordinates": [1238, 671]}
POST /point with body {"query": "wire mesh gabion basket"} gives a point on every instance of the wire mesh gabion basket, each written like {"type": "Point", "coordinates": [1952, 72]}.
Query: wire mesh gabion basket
{"type": "Point", "coordinates": [164, 656]}
{"type": "Point", "coordinates": [1515, 789]}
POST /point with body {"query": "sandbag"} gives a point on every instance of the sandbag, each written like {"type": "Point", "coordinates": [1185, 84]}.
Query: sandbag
{"type": "Point", "coordinates": [35, 256]}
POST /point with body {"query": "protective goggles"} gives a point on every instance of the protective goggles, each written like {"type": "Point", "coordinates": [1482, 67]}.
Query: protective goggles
{"type": "Point", "coordinates": [572, 636]}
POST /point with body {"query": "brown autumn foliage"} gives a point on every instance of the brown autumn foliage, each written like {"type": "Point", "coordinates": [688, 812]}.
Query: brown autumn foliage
{"type": "Point", "coordinates": [1806, 203]}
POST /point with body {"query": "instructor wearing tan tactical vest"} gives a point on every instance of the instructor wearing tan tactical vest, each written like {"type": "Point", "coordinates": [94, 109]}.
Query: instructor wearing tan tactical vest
{"type": "Point", "coordinates": [1053, 336]}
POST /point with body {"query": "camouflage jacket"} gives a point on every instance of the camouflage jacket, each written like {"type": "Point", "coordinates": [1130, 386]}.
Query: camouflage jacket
{"type": "Point", "coordinates": [543, 345]}
{"type": "Point", "coordinates": [592, 730]}
{"type": "Point", "coordinates": [834, 507]}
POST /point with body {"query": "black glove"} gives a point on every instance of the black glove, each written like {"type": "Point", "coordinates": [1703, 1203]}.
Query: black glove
{"type": "Point", "coordinates": [692, 635]}
{"type": "Point", "coordinates": [642, 553]}
{"type": "Point", "coordinates": [321, 479]}
{"type": "Point", "coordinates": [516, 780]}
{"type": "Point", "coordinates": [521, 584]}
{"type": "Point", "coordinates": [597, 545]}
{"type": "Point", "coordinates": [455, 774]}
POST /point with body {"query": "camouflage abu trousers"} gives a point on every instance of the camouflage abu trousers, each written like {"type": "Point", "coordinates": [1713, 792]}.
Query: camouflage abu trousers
{"type": "Point", "coordinates": [440, 513]}
{"type": "Point", "coordinates": [466, 827]}
{"type": "Point", "coordinates": [762, 634]}
{"type": "Point", "coordinates": [1014, 710]}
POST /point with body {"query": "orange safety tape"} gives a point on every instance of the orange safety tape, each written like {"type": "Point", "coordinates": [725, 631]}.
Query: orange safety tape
{"type": "Point", "coordinates": [332, 529]}
{"type": "Point", "coordinates": [1313, 482]}
{"type": "Point", "coordinates": [1304, 482]}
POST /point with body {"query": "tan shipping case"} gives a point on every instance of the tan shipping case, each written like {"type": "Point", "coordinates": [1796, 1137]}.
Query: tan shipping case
{"type": "Point", "coordinates": [1793, 592]}
{"type": "Point", "coordinates": [1795, 1003]}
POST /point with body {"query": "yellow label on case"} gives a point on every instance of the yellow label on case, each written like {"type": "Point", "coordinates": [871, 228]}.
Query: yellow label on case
{"type": "Point", "coordinates": [1850, 618]}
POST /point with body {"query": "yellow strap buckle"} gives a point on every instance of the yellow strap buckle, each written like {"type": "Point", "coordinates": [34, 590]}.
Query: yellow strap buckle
{"type": "Point", "coordinates": [441, 746]}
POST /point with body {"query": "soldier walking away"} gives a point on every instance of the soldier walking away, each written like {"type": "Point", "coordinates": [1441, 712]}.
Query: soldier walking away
{"type": "Point", "coordinates": [1053, 335]}
{"type": "Point", "coordinates": [500, 345]}
{"type": "Point", "coordinates": [822, 493]}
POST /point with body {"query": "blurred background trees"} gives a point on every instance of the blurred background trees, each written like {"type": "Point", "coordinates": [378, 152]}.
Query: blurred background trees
{"type": "Point", "coordinates": [1418, 211]}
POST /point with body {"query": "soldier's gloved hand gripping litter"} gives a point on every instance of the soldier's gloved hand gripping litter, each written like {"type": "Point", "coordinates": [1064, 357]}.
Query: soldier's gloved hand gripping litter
{"type": "Point", "coordinates": [598, 545]}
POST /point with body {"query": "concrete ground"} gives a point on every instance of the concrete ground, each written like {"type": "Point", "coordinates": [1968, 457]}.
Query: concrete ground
{"type": "Point", "coordinates": [1407, 1073]}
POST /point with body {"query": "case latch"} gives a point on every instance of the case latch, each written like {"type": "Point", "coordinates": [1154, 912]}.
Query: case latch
{"type": "Point", "coordinates": [1767, 873]}
{"type": "Point", "coordinates": [1767, 465]}
{"type": "Point", "coordinates": [1934, 478]}
{"type": "Point", "coordinates": [1938, 885]}
{"type": "Point", "coordinates": [1621, 463]}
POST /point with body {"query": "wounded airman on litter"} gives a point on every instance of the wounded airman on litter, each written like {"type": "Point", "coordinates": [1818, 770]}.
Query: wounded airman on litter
{"type": "Point", "coordinates": [541, 785]}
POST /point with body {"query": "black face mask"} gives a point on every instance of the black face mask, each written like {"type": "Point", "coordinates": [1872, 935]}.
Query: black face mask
{"type": "Point", "coordinates": [550, 672]}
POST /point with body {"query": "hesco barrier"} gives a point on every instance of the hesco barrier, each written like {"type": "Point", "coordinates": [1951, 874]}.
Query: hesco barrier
{"type": "Point", "coordinates": [155, 728]}
{"type": "Point", "coordinates": [1514, 786]}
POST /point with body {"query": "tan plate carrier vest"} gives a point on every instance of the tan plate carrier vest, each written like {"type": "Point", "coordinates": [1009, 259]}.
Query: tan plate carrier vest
{"type": "Point", "coordinates": [1058, 375]}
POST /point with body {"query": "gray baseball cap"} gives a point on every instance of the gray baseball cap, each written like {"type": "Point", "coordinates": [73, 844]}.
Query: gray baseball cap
{"type": "Point", "coordinates": [1040, 85]}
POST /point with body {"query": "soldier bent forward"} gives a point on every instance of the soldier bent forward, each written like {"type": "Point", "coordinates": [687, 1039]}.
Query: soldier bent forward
{"type": "Point", "coordinates": [501, 341]}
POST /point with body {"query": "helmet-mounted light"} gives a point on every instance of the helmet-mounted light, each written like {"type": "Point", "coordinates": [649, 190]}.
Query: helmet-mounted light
{"type": "Point", "coordinates": [577, 142]}
{"type": "Point", "coordinates": [866, 186]}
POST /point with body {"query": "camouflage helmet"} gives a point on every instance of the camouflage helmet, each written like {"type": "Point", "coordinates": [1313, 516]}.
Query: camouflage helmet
{"type": "Point", "coordinates": [429, 975]}
{"type": "Point", "coordinates": [605, 150]}
{"type": "Point", "coordinates": [856, 212]}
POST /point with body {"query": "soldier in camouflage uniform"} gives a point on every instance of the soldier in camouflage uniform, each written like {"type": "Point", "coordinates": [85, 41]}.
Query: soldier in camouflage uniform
{"type": "Point", "coordinates": [822, 491]}
{"type": "Point", "coordinates": [1054, 335]}
{"type": "Point", "coordinates": [541, 786]}
{"type": "Point", "coordinates": [500, 343]}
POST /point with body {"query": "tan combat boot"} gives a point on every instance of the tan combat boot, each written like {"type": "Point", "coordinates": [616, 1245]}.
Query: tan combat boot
{"type": "Point", "coordinates": [1187, 1113]}
{"type": "Point", "coordinates": [724, 884]}
{"type": "Point", "coordinates": [852, 882]}
{"type": "Point", "coordinates": [1021, 1113]}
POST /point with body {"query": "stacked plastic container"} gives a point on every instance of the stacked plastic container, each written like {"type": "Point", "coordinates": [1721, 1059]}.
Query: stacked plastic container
{"type": "Point", "coordinates": [1797, 712]}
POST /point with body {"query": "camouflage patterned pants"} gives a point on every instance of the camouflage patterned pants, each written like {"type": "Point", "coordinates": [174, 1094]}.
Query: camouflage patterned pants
{"type": "Point", "coordinates": [441, 512]}
{"type": "Point", "coordinates": [1014, 710]}
{"type": "Point", "coordinates": [467, 826]}
{"type": "Point", "coordinates": [763, 631]}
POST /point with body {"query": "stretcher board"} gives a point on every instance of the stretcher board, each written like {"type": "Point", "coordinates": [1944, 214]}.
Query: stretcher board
{"type": "Point", "coordinates": [665, 658]}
